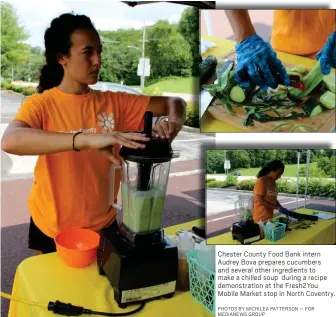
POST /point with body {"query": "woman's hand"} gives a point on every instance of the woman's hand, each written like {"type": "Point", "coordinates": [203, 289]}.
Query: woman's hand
{"type": "Point", "coordinates": [104, 142]}
{"type": "Point", "coordinates": [327, 56]}
{"type": "Point", "coordinates": [166, 129]}
{"type": "Point", "coordinates": [257, 63]}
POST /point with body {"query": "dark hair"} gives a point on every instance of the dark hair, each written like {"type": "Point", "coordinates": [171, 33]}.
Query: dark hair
{"type": "Point", "coordinates": [57, 40]}
{"type": "Point", "coordinates": [271, 166]}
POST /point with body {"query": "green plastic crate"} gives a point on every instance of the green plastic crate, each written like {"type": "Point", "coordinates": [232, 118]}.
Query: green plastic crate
{"type": "Point", "coordinates": [275, 234]}
{"type": "Point", "coordinates": [202, 283]}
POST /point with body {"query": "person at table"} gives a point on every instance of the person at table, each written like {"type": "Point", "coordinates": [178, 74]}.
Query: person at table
{"type": "Point", "coordinates": [308, 33]}
{"type": "Point", "coordinates": [265, 195]}
{"type": "Point", "coordinates": [77, 133]}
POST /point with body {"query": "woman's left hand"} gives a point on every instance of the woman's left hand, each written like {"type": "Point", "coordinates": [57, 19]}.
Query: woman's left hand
{"type": "Point", "coordinates": [327, 56]}
{"type": "Point", "coordinates": [166, 129]}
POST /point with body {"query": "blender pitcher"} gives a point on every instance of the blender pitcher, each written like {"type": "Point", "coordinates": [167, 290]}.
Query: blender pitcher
{"type": "Point", "coordinates": [245, 206]}
{"type": "Point", "coordinates": [145, 174]}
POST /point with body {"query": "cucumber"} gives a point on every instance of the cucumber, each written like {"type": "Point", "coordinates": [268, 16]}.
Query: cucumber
{"type": "Point", "coordinates": [237, 94]}
{"type": "Point", "coordinates": [207, 68]}
{"type": "Point", "coordinates": [330, 82]}
{"type": "Point", "coordinates": [299, 69]}
{"type": "Point", "coordinates": [328, 100]}
{"type": "Point", "coordinates": [311, 80]}
{"type": "Point", "coordinates": [312, 107]}
{"type": "Point", "coordinates": [295, 76]}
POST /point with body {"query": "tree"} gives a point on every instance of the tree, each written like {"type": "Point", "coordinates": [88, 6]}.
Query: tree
{"type": "Point", "coordinates": [168, 50]}
{"type": "Point", "coordinates": [214, 162]}
{"type": "Point", "coordinates": [13, 51]}
{"type": "Point", "coordinates": [30, 70]}
{"type": "Point", "coordinates": [119, 62]}
{"type": "Point", "coordinates": [189, 28]}
{"type": "Point", "coordinates": [239, 159]}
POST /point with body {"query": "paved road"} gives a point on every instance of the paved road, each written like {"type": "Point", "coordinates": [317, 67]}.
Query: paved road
{"type": "Point", "coordinates": [221, 211]}
{"type": "Point", "coordinates": [10, 104]}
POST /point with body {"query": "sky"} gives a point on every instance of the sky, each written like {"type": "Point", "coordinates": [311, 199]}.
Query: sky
{"type": "Point", "coordinates": [36, 15]}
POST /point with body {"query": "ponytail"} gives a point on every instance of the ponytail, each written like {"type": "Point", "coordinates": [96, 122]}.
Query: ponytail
{"type": "Point", "coordinates": [271, 166]}
{"type": "Point", "coordinates": [263, 172]}
{"type": "Point", "coordinates": [51, 76]}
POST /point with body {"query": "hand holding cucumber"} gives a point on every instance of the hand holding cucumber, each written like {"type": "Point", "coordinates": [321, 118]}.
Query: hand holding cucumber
{"type": "Point", "coordinates": [327, 56]}
{"type": "Point", "coordinates": [257, 63]}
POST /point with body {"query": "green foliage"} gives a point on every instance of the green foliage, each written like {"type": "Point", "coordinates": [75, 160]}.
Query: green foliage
{"type": "Point", "coordinates": [327, 166]}
{"type": "Point", "coordinates": [243, 160]}
{"type": "Point", "coordinates": [238, 158]}
{"type": "Point", "coordinates": [316, 187]}
{"type": "Point", "coordinates": [192, 117]}
{"type": "Point", "coordinates": [26, 91]}
{"type": "Point", "coordinates": [313, 172]}
{"type": "Point", "coordinates": [247, 184]}
{"type": "Point", "coordinates": [168, 50]}
{"type": "Point", "coordinates": [30, 70]}
{"type": "Point", "coordinates": [214, 162]}
{"type": "Point", "coordinates": [231, 180]}
{"type": "Point", "coordinates": [216, 184]}
{"type": "Point", "coordinates": [13, 50]}
{"type": "Point", "coordinates": [189, 28]}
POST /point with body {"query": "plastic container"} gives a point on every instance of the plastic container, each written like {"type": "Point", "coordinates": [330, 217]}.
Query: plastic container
{"type": "Point", "coordinates": [185, 243]}
{"type": "Point", "coordinates": [206, 255]}
{"type": "Point", "coordinates": [77, 247]}
{"type": "Point", "coordinates": [274, 234]}
{"type": "Point", "coordinates": [202, 283]}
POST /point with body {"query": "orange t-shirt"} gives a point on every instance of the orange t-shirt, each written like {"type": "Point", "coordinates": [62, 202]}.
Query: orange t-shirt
{"type": "Point", "coordinates": [302, 32]}
{"type": "Point", "coordinates": [265, 187]}
{"type": "Point", "coordinates": [71, 189]}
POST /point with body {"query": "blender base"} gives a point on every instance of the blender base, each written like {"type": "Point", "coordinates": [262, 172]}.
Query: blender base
{"type": "Point", "coordinates": [246, 233]}
{"type": "Point", "coordinates": [137, 273]}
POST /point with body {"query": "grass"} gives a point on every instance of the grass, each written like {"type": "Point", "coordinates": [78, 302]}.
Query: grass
{"type": "Point", "coordinates": [185, 85]}
{"type": "Point", "coordinates": [290, 170]}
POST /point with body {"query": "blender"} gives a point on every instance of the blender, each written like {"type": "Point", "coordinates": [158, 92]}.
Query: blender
{"type": "Point", "coordinates": [140, 262]}
{"type": "Point", "coordinates": [246, 230]}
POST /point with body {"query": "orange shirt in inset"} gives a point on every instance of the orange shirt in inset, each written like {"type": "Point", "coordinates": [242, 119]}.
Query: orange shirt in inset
{"type": "Point", "coordinates": [71, 189]}
{"type": "Point", "coordinates": [265, 187]}
{"type": "Point", "coordinates": [302, 32]}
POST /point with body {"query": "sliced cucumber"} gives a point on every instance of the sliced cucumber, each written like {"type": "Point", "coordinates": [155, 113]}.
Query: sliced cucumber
{"type": "Point", "coordinates": [330, 82]}
{"type": "Point", "coordinates": [328, 100]}
{"type": "Point", "coordinates": [311, 80]}
{"type": "Point", "coordinates": [299, 68]}
{"type": "Point", "coordinates": [312, 107]}
{"type": "Point", "coordinates": [237, 94]}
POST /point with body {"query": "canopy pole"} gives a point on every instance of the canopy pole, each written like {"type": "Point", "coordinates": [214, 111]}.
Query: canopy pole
{"type": "Point", "coordinates": [297, 177]}
{"type": "Point", "coordinates": [307, 175]}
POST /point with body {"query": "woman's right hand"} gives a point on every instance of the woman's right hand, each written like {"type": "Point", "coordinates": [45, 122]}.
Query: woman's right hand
{"type": "Point", "coordinates": [104, 142]}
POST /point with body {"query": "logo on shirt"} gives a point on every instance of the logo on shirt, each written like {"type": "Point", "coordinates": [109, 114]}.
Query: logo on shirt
{"type": "Point", "coordinates": [106, 121]}
{"type": "Point", "coordinates": [271, 193]}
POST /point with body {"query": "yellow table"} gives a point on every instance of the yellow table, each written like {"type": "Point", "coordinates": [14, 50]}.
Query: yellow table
{"type": "Point", "coordinates": [46, 278]}
{"type": "Point", "coordinates": [208, 123]}
{"type": "Point", "coordinates": [323, 232]}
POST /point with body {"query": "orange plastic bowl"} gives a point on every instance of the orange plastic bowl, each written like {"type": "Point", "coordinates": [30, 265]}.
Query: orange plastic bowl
{"type": "Point", "coordinates": [77, 247]}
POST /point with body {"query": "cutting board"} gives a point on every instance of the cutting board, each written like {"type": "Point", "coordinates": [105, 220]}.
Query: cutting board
{"type": "Point", "coordinates": [324, 122]}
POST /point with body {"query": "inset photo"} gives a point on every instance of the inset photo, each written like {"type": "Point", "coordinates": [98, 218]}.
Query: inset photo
{"type": "Point", "coordinates": [270, 196]}
{"type": "Point", "coordinates": [267, 71]}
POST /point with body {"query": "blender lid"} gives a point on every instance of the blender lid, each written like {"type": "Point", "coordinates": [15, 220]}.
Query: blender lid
{"type": "Point", "coordinates": [156, 150]}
